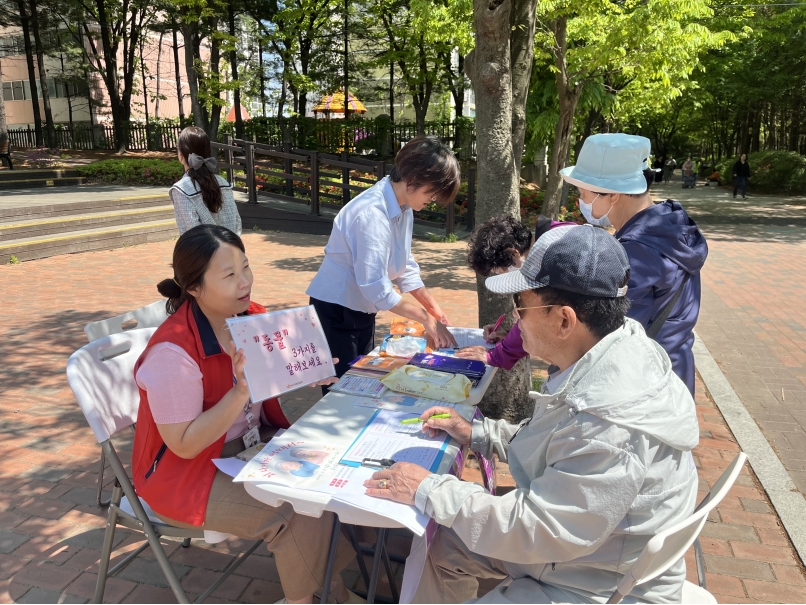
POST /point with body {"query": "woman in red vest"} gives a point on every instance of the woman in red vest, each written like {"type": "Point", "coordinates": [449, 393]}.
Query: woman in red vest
{"type": "Point", "coordinates": [195, 406]}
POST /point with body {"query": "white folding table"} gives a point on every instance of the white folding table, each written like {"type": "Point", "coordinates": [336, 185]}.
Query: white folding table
{"type": "Point", "coordinates": [336, 413]}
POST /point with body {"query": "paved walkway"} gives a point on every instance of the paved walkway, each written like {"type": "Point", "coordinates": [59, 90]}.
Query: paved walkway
{"type": "Point", "coordinates": [753, 319]}
{"type": "Point", "coordinates": [50, 530]}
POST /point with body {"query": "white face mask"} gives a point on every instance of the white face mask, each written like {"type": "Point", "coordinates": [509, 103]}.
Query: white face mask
{"type": "Point", "coordinates": [587, 212]}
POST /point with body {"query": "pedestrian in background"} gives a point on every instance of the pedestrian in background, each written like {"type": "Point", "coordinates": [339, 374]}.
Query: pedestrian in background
{"type": "Point", "coordinates": [202, 196]}
{"type": "Point", "coordinates": [668, 169]}
{"type": "Point", "coordinates": [741, 173]}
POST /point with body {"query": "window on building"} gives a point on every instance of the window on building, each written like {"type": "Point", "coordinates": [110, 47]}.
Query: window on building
{"type": "Point", "coordinates": [19, 88]}
{"type": "Point", "coordinates": [8, 94]}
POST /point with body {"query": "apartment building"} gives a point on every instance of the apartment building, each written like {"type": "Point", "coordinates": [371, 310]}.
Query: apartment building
{"type": "Point", "coordinates": [79, 96]}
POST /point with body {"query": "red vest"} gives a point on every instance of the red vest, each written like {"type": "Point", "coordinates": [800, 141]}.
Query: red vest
{"type": "Point", "coordinates": [178, 488]}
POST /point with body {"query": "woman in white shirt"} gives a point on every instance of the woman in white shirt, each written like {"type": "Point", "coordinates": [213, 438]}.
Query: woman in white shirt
{"type": "Point", "coordinates": [201, 196]}
{"type": "Point", "coordinates": [370, 249]}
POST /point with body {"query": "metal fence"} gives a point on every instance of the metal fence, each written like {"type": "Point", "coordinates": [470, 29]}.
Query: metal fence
{"type": "Point", "coordinates": [378, 138]}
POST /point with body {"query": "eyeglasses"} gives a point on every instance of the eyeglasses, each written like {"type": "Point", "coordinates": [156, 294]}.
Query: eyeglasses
{"type": "Point", "coordinates": [518, 315]}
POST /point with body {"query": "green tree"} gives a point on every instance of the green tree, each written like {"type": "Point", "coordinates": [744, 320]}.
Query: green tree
{"type": "Point", "coordinates": [102, 29]}
{"type": "Point", "coordinates": [634, 42]}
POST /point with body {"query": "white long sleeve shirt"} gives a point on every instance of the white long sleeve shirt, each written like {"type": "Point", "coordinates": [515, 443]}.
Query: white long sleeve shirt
{"type": "Point", "coordinates": [369, 249]}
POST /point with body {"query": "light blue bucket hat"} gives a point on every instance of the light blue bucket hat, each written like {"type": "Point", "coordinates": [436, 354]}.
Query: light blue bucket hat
{"type": "Point", "coordinates": [611, 163]}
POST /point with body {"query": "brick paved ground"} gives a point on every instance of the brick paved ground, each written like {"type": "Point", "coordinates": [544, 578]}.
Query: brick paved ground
{"type": "Point", "coordinates": [50, 530]}
{"type": "Point", "coordinates": [754, 318]}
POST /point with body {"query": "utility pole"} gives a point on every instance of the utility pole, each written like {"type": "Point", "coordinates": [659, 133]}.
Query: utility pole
{"type": "Point", "coordinates": [346, 62]}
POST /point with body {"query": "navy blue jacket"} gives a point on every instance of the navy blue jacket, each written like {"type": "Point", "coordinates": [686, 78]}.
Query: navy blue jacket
{"type": "Point", "coordinates": [665, 245]}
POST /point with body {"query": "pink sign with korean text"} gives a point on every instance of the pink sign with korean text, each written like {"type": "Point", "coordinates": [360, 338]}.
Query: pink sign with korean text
{"type": "Point", "coordinates": [284, 350]}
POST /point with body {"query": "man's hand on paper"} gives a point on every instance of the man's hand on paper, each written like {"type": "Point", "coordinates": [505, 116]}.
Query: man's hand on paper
{"type": "Point", "coordinates": [476, 353]}
{"type": "Point", "coordinates": [440, 334]}
{"type": "Point", "coordinates": [327, 381]}
{"type": "Point", "coordinates": [456, 426]}
{"type": "Point", "coordinates": [401, 482]}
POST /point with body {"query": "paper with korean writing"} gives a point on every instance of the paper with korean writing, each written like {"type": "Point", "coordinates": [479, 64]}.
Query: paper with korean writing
{"type": "Point", "coordinates": [284, 350]}
{"type": "Point", "coordinates": [385, 437]}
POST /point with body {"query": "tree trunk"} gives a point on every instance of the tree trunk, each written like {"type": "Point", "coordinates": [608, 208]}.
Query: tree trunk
{"type": "Point", "coordinates": [456, 81]}
{"type": "Point", "coordinates": [459, 100]}
{"type": "Point", "coordinates": [568, 95]}
{"type": "Point", "coordinates": [488, 67]}
{"type": "Point", "coordinates": [771, 142]}
{"type": "Point", "coordinates": [422, 98]}
{"type": "Point", "coordinates": [282, 98]}
{"type": "Point", "coordinates": [29, 57]}
{"type": "Point", "coordinates": [179, 99]}
{"type": "Point", "coordinates": [794, 128]}
{"type": "Point", "coordinates": [346, 82]}
{"type": "Point", "coordinates": [522, 51]}
{"type": "Point", "coordinates": [392, 90]}
{"type": "Point", "coordinates": [233, 59]}
{"type": "Point", "coordinates": [145, 88]}
{"type": "Point", "coordinates": [3, 123]}
{"type": "Point", "coordinates": [50, 128]}
{"type": "Point", "coordinates": [262, 78]}
{"type": "Point", "coordinates": [215, 60]}
{"type": "Point", "coordinates": [590, 121]}
{"type": "Point", "coordinates": [747, 122]}
{"type": "Point", "coordinates": [755, 133]}
{"type": "Point", "coordinates": [69, 94]}
{"type": "Point", "coordinates": [157, 91]}
{"type": "Point", "coordinates": [110, 76]}
{"type": "Point", "coordinates": [192, 44]}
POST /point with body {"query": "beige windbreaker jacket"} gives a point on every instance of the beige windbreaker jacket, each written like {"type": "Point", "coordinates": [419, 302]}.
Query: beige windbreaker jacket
{"type": "Point", "coordinates": [601, 466]}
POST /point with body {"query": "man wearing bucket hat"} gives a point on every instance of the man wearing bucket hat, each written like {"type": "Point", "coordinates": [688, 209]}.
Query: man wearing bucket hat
{"type": "Point", "coordinates": [666, 248]}
{"type": "Point", "coordinates": [603, 464]}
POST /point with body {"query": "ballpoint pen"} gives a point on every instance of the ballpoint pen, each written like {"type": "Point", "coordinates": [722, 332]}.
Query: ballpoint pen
{"type": "Point", "coordinates": [497, 325]}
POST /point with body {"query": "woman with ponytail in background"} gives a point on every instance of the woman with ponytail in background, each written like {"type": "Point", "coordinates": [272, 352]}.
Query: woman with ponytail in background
{"type": "Point", "coordinates": [202, 197]}
{"type": "Point", "coordinates": [195, 407]}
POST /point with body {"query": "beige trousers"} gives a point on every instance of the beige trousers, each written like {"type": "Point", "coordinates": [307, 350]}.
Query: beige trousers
{"type": "Point", "coordinates": [300, 544]}
{"type": "Point", "coordinates": [452, 573]}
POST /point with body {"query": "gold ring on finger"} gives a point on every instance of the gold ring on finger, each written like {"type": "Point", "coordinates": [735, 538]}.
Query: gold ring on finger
{"type": "Point", "coordinates": [383, 483]}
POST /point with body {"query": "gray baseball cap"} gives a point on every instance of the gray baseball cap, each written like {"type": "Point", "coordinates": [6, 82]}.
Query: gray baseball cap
{"type": "Point", "coordinates": [578, 258]}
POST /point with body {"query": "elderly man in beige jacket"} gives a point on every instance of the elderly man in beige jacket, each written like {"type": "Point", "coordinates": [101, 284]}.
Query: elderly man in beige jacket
{"type": "Point", "coordinates": [602, 465]}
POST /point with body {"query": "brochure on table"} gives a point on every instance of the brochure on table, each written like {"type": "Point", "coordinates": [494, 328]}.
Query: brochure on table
{"type": "Point", "coordinates": [334, 468]}
{"type": "Point", "coordinates": [384, 437]}
{"type": "Point", "coordinates": [284, 350]}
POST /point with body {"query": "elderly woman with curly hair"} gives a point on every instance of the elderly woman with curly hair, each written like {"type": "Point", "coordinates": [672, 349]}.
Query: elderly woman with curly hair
{"type": "Point", "coordinates": [500, 245]}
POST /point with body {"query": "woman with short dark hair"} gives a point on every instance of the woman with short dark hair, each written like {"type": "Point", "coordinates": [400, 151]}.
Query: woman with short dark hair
{"type": "Point", "coordinates": [202, 196]}
{"type": "Point", "coordinates": [369, 250]}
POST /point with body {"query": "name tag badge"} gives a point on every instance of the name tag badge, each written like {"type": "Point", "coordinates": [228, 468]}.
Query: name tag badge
{"type": "Point", "coordinates": [251, 437]}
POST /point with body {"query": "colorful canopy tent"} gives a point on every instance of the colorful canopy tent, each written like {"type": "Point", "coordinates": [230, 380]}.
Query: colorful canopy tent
{"type": "Point", "coordinates": [334, 103]}
{"type": "Point", "coordinates": [231, 114]}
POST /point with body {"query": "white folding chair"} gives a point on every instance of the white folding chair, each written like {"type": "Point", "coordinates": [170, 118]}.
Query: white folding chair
{"type": "Point", "coordinates": [669, 546]}
{"type": "Point", "coordinates": [101, 377]}
{"type": "Point", "coordinates": [150, 316]}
